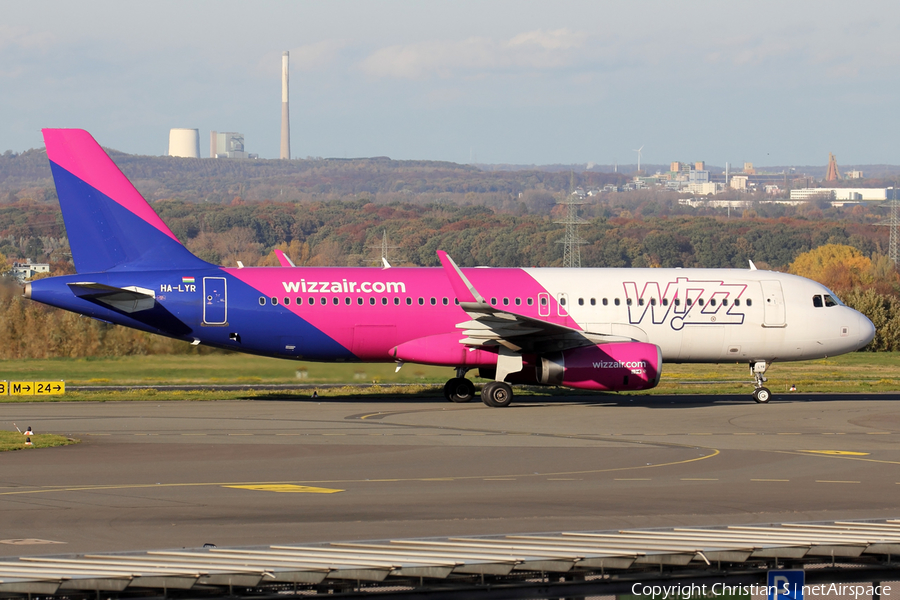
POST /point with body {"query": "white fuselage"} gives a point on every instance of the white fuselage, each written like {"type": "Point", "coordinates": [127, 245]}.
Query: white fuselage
{"type": "Point", "coordinates": [710, 315]}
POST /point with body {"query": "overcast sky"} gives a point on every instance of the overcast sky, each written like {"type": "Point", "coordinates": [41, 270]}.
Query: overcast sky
{"type": "Point", "coordinates": [773, 83]}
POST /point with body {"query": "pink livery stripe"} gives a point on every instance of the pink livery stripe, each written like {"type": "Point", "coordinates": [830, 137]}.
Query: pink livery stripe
{"type": "Point", "coordinates": [76, 151]}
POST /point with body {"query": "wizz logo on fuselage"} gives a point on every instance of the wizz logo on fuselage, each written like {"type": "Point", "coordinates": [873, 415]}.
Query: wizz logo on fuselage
{"type": "Point", "coordinates": [685, 302]}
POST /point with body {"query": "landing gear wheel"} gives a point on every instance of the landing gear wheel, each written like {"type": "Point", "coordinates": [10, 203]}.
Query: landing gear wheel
{"type": "Point", "coordinates": [762, 395]}
{"type": "Point", "coordinates": [459, 389]}
{"type": "Point", "coordinates": [496, 394]}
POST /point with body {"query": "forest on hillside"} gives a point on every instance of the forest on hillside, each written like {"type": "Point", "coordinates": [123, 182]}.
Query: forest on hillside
{"type": "Point", "coordinates": [637, 233]}
{"type": "Point", "coordinates": [330, 212]}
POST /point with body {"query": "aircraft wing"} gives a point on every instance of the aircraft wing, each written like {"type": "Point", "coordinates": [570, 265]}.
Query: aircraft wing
{"type": "Point", "coordinates": [129, 299]}
{"type": "Point", "coordinates": [493, 326]}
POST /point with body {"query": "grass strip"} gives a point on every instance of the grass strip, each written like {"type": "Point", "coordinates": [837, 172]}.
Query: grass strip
{"type": "Point", "coordinates": [13, 440]}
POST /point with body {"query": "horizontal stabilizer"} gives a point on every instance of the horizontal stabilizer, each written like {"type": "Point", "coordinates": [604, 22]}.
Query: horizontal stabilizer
{"type": "Point", "coordinates": [129, 299]}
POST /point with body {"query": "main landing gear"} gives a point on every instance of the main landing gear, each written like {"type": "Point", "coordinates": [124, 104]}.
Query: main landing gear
{"type": "Point", "coordinates": [761, 394]}
{"type": "Point", "coordinates": [495, 394]}
{"type": "Point", "coordinates": [459, 389]}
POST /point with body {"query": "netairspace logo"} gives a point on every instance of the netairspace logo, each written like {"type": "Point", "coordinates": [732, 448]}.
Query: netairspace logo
{"type": "Point", "coordinates": [697, 591]}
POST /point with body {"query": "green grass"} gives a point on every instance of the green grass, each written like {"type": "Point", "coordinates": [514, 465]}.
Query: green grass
{"type": "Point", "coordinates": [857, 372]}
{"type": "Point", "coordinates": [13, 440]}
{"type": "Point", "coordinates": [210, 369]}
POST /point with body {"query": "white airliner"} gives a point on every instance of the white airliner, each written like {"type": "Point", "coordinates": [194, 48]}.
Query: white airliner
{"type": "Point", "coordinates": [594, 329]}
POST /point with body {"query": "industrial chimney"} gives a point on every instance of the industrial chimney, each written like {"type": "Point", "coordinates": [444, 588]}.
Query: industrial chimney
{"type": "Point", "coordinates": [285, 114]}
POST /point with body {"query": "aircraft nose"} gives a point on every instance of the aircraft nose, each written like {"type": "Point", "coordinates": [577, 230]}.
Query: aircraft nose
{"type": "Point", "coordinates": [866, 330]}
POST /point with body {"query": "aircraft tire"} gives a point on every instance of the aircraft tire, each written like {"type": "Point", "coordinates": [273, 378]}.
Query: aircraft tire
{"type": "Point", "coordinates": [762, 395]}
{"type": "Point", "coordinates": [497, 394]}
{"type": "Point", "coordinates": [459, 389]}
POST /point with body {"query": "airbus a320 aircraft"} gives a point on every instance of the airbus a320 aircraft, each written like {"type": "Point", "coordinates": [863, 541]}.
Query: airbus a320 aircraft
{"type": "Point", "coordinates": [592, 329]}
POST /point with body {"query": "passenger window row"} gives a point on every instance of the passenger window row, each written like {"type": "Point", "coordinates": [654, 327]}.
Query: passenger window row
{"type": "Point", "coordinates": [360, 301]}
{"type": "Point", "coordinates": [396, 301]}
{"type": "Point", "coordinates": [664, 302]}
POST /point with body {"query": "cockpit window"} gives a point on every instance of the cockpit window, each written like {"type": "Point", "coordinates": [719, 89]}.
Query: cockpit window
{"type": "Point", "coordinates": [817, 301]}
{"type": "Point", "coordinates": [829, 301]}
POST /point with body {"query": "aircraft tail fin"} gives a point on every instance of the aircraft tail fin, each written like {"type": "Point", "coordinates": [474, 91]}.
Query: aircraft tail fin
{"type": "Point", "coordinates": [109, 224]}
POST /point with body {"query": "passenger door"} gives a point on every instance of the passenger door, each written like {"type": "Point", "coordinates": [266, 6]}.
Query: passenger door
{"type": "Point", "coordinates": [773, 304]}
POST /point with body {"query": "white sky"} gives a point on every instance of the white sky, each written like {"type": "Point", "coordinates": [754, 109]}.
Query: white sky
{"type": "Point", "coordinates": [774, 83]}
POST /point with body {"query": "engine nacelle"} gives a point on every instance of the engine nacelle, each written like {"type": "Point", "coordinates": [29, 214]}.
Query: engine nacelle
{"type": "Point", "coordinates": [615, 366]}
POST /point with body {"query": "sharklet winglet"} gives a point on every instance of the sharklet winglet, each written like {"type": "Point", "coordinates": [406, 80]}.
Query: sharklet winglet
{"type": "Point", "coordinates": [283, 258]}
{"type": "Point", "coordinates": [464, 290]}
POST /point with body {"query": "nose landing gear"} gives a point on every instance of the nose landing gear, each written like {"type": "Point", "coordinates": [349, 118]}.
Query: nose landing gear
{"type": "Point", "coordinates": [761, 394]}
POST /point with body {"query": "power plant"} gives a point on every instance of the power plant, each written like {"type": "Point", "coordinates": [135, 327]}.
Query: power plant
{"type": "Point", "coordinates": [285, 114]}
{"type": "Point", "coordinates": [229, 144]}
{"type": "Point", "coordinates": [184, 143]}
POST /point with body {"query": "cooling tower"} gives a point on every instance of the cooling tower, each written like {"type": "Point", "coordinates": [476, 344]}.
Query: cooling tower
{"type": "Point", "coordinates": [285, 115]}
{"type": "Point", "coordinates": [184, 142]}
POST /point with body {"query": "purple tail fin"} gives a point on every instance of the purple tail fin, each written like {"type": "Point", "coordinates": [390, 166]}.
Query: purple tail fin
{"type": "Point", "coordinates": [109, 224]}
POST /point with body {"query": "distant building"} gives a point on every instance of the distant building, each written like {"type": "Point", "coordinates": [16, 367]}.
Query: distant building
{"type": "Point", "coordinates": [852, 194]}
{"type": "Point", "coordinates": [748, 169]}
{"type": "Point", "coordinates": [703, 188]}
{"type": "Point", "coordinates": [228, 144]}
{"type": "Point", "coordinates": [739, 182]}
{"type": "Point", "coordinates": [854, 175]}
{"type": "Point", "coordinates": [698, 177]}
{"type": "Point", "coordinates": [23, 271]}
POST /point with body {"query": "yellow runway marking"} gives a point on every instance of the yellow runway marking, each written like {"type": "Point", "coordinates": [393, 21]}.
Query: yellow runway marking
{"type": "Point", "coordinates": [90, 488]}
{"type": "Point", "coordinates": [833, 481]}
{"type": "Point", "coordinates": [285, 487]}
{"type": "Point", "coordinates": [878, 433]}
{"type": "Point", "coordinates": [770, 480]}
{"type": "Point", "coordinates": [837, 452]}
{"type": "Point", "coordinates": [838, 456]}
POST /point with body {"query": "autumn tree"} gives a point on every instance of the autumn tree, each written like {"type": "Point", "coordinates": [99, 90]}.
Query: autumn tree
{"type": "Point", "coordinates": [836, 266]}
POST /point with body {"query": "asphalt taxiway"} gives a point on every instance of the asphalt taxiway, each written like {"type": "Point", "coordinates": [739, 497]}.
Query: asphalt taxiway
{"type": "Point", "coordinates": [239, 473]}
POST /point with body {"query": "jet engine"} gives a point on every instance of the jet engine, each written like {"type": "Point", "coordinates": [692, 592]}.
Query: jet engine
{"type": "Point", "coordinates": [615, 366]}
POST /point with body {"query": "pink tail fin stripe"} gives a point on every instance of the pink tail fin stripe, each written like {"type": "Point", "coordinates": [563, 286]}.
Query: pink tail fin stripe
{"type": "Point", "coordinates": [76, 151]}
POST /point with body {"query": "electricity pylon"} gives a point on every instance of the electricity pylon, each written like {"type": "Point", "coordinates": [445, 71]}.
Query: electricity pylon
{"type": "Point", "coordinates": [572, 241]}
